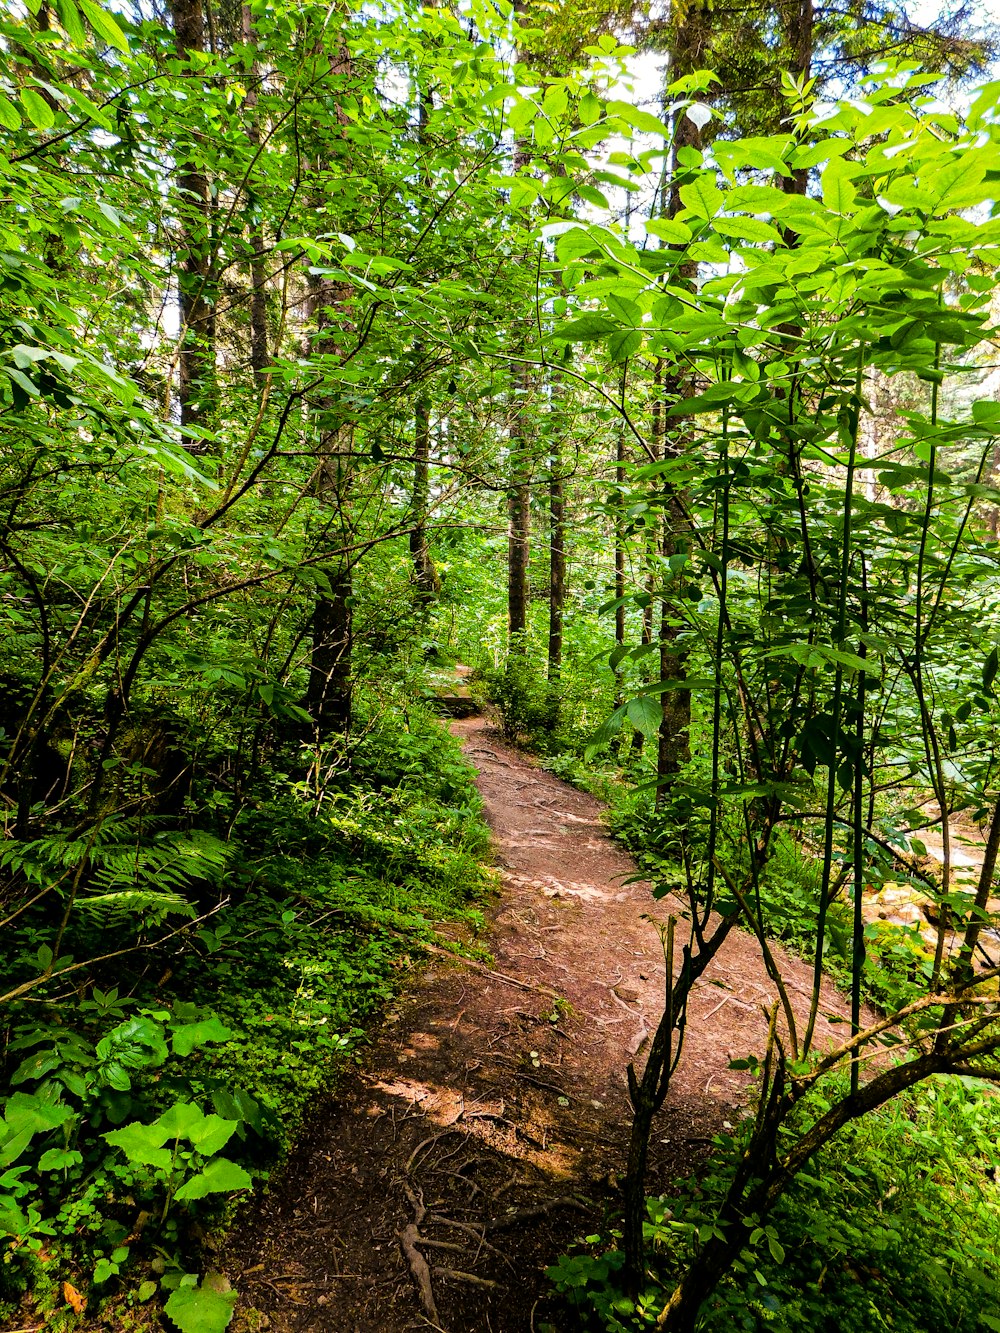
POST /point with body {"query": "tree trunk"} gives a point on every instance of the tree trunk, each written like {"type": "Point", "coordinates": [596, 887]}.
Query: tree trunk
{"type": "Point", "coordinates": [329, 698]}
{"type": "Point", "coordinates": [620, 461]}
{"type": "Point", "coordinates": [519, 515]}
{"type": "Point", "coordinates": [690, 42]}
{"type": "Point", "coordinates": [557, 563]}
{"type": "Point", "coordinates": [425, 578]}
{"type": "Point", "coordinates": [259, 357]}
{"type": "Point", "coordinates": [196, 271]}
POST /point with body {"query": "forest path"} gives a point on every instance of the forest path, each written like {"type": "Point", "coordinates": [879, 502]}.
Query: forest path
{"type": "Point", "coordinates": [486, 1128]}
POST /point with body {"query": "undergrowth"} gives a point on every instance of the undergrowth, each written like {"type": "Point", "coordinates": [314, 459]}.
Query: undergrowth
{"type": "Point", "coordinates": [146, 1097]}
{"type": "Point", "coordinates": [895, 1225]}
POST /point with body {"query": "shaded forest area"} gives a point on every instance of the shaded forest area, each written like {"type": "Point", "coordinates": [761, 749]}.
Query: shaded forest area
{"type": "Point", "coordinates": [644, 362]}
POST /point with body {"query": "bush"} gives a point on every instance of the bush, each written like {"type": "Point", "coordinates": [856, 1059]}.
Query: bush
{"type": "Point", "coordinates": [527, 704]}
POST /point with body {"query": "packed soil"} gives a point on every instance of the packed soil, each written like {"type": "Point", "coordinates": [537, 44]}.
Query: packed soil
{"type": "Point", "coordinates": [488, 1126]}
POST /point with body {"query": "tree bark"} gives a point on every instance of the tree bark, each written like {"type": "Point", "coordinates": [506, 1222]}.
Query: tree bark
{"type": "Point", "coordinates": [196, 271]}
{"type": "Point", "coordinates": [673, 751]}
{"type": "Point", "coordinates": [426, 583]}
{"type": "Point", "coordinates": [621, 457]}
{"type": "Point", "coordinates": [425, 578]}
{"type": "Point", "coordinates": [519, 518]}
{"type": "Point", "coordinates": [259, 357]}
{"type": "Point", "coordinates": [329, 696]}
{"type": "Point", "coordinates": [557, 562]}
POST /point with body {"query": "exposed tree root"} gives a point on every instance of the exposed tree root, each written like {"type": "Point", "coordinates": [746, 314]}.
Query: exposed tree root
{"type": "Point", "coordinates": [409, 1239]}
{"type": "Point", "coordinates": [539, 1210]}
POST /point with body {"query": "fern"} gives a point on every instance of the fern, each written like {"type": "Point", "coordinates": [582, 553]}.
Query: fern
{"type": "Point", "coordinates": [144, 881]}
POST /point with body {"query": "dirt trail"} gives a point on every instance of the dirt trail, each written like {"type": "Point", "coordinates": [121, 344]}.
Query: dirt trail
{"type": "Point", "coordinates": [485, 1132]}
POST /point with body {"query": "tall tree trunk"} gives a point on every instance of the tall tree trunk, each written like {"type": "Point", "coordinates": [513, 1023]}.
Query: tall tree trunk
{"type": "Point", "coordinates": [519, 519]}
{"type": "Point", "coordinates": [425, 577]}
{"type": "Point", "coordinates": [259, 358]}
{"type": "Point", "coordinates": [557, 561]}
{"type": "Point", "coordinates": [329, 696]}
{"type": "Point", "coordinates": [797, 20]}
{"type": "Point", "coordinates": [691, 39]}
{"type": "Point", "coordinates": [621, 457]}
{"type": "Point", "coordinates": [196, 273]}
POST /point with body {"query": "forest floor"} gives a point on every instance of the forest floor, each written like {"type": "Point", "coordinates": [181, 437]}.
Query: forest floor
{"type": "Point", "coordinates": [489, 1122]}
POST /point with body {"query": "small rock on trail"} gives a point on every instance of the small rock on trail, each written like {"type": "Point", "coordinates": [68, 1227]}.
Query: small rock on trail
{"type": "Point", "coordinates": [490, 1121]}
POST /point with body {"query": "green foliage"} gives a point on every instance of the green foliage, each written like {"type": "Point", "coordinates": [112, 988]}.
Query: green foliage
{"type": "Point", "coordinates": [178, 1101]}
{"type": "Point", "coordinates": [896, 1224]}
{"type": "Point", "coordinates": [200, 1308]}
{"type": "Point", "coordinates": [527, 705]}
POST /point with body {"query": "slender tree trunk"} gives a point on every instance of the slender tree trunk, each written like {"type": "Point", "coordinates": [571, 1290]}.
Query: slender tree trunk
{"type": "Point", "coordinates": [329, 697]}
{"type": "Point", "coordinates": [519, 516]}
{"type": "Point", "coordinates": [259, 357]}
{"type": "Point", "coordinates": [425, 577]}
{"type": "Point", "coordinates": [797, 19]}
{"type": "Point", "coordinates": [621, 457]}
{"type": "Point", "coordinates": [557, 562]}
{"type": "Point", "coordinates": [690, 43]}
{"type": "Point", "coordinates": [196, 275]}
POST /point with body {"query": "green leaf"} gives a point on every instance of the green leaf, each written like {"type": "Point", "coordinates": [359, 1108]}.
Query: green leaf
{"type": "Point", "coordinates": [623, 308]}
{"type": "Point", "coordinates": [25, 357]}
{"type": "Point", "coordinates": [702, 197]}
{"type": "Point", "coordinates": [555, 101]}
{"type": "Point", "coordinates": [839, 193]}
{"type": "Point", "coordinates": [26, 1114]}
{"type": "Point", "coordinates": [104, 25]}
{"type": "Point", "coordinates": [747, 229]}
{"type": "Point", "coordinates": [59, 1159]}
{"type": "Point", "coordinates": [12, 1220]}
{"type": "Point", "coordinates": [10, 117]}
{"type": "Point", "coordinates": [645, 713]}
{"type": "Point", "coordinates": [36, 1066]}
{"type": "Point", "coordinates": [69, 17]}
{"type": "Point", "coordinates": [219, 1177]}
{"type": "Point", "coordinates": [638, 119]}
{"type": "Point", "coordinates": [670, 230]}
{"type": "Point", "coordinates": [589, 109]}
{"type": "Point", "coordinates": [990, 668]}
{"type": "Point", "coordinates": [623, 344]}
{"type": "Point", "coordinates": [586, 329]}
{"type": "Point", "coordinates": [186, 1038]}
{"type": "Point", "coordinates": [37, 109]}
{"type": "Point", "coordinates": [142, 1145]}
{"type": "Point", "coordinates": [201, 1309]}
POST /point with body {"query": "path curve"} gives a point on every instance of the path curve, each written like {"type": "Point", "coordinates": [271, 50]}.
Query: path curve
{"type": "Point", "coordinates": [488, 1125]}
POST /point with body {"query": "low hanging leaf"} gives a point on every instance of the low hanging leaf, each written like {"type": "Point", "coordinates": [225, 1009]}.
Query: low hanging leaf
{"type": "Point", "coordinates": [990, 669]}
{"type": "Point", "coordinates": [69, 17]}
{"type": "Point", "coordinates": [104, 25]}
{"type": "Point", "coordinates": [10, 117]}
{"type": "Point", "coordinates": [37, 109]}
{"type": "Point", "coordinates": [586, 329]}
{"type": "Point", "coordinates": [645, 713]}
